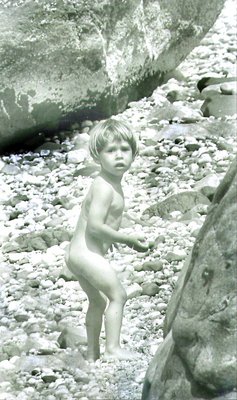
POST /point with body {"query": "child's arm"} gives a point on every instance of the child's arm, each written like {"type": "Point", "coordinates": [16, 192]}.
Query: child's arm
{"type": "Point", "coordinates": [99, 207]}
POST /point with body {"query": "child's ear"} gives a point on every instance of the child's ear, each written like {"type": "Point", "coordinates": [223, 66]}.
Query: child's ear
{"type": "Point", "coordinates": [96, 160]}
{"type": "Point", "coordinates": [136, 154]}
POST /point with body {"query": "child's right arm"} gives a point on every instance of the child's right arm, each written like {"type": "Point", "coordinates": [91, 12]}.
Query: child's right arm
{"type": "Point", "coordinates": [138, 243]}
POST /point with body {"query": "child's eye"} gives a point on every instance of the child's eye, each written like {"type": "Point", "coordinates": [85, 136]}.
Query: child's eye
{"type": "Point", "coordinates": [126, 148]}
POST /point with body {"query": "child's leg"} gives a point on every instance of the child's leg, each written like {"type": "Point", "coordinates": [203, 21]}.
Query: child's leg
{"type": "Point", "coordinates": [97, 271]}
{"type": "Point", "coordinates": [94, 316]}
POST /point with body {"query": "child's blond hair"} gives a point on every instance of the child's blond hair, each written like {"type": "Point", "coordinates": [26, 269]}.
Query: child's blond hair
{"type": "Point", "coordinates": [106, 131]}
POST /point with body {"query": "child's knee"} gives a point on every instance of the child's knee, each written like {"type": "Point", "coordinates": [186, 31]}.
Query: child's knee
{"type": "Point", "coordinates": [98, 303]}
{"type": "Point", "coordinates": [71, 257]}
{"type": "Point", "coordinates": [124, 296]}
{"type": "Point", "coordinates": [66, 257]}
{"type": "Point", "coordinates": [102, 304]}
{"type": "Point", "coordinates": [120, 296]}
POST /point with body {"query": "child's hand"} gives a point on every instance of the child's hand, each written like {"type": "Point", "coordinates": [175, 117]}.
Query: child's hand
{"type": "Point", "coordinates": [151, 245]}
{"type": "Point", "coordinates": [138, 243]}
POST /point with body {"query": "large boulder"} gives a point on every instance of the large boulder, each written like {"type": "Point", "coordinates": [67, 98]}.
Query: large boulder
{"type": "Point", "coordinates": [197, 360]}
{"type": "Point", "coordinates": [63, 61]}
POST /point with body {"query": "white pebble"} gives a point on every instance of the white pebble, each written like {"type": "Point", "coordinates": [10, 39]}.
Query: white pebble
{"type": "Point", "coordinates": [46, 284]}
{"type": "Point", "coordinates": [77, 156]}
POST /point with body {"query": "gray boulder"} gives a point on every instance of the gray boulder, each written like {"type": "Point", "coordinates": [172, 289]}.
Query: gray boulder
{"type": "Point", "coordinates": [220, 96]}
{"type": "Point", "coordinates": [182, 201]}
{"type": "Point", "coordinates": [219, 105]}
{"type": "Point", "coordinates": [64, 61]}
{"type": "Point", "coordinates": [197, 359]}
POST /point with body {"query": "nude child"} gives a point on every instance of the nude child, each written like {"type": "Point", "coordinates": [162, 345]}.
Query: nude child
{"type": "Point", "coordinates": [113, 147]}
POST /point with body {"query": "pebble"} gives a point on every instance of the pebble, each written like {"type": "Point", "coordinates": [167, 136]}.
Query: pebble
{"type": "Point", "coordinates": [76, 156]}
{"type": "Point", "coordinates": [10, 169]}
{"type": "Point", "coordinates": [150, 289]}
{"type": "Point", "coordinates": [176, 255]}
{"type": "Point", "coordinates": [48, 376]}
{"type": "Point", "coordinates": [46, 284]}
{"type": "Point", "coordinates": [155, 265]}
{"type": "Point", "coordinates": [161, 306]}
{"type": "Point", "coordinates": [133, 291]}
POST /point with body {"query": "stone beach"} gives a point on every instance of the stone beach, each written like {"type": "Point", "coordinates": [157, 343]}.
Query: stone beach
{"type": "Point", "coordinates": [183, 157]}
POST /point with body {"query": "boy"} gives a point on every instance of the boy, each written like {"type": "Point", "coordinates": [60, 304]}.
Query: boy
{"type": "Point", "coordinates": [114, 147]}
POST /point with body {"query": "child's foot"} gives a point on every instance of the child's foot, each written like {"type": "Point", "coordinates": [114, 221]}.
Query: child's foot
{"type": "Point", "coordinates": [91, 359]}
{"type": "Point", "coordinates": [119, 354]}
{"type": "Point", "coordinates": [93, 356]}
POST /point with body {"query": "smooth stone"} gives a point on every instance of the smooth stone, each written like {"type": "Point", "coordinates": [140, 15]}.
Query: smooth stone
{"type": "Point", "coordinates": [176, 131]}
{"type": "Point", "coordinates": [150, 289]}
{"type": "Point", "coordinates": [221, 155]}
{"type": "Point", "coordinates": [88, 170]}
{"type": "Point", "coordinates": [66, 274]}
{"type": "Point", "coordinates": [21, 317]}
{"type": "Point", "coordinates": [81, 376]}
{"type": "Point", "coordinates": [192, 146]}
{"type": "Point", "coordinates": [229, 88]}
{"type": "Point", "coordinates": [76, 156]}
{"type": "Point", "coordinates": [46, 284]}
{"type": "Point", "coordinates": [7, 370]}
{"type": "Point", "coordinates": [48, 375]}
{"type": "Point", "coordinates": [133, 291]}
{"type": "Point", "coordinates": [155, 265]}
{"type": "Point", "coordinates": [175, 255]}
{"type": "Point", "coordinates": [161, 306]}
{"type": "Point", "coordinates": [204, 158]}
{"type": "Point", "coordinates": [46, 148]}
{"type": "Point", "coordinates": [178, 111]}
{"type": "Point", "coordinates": [208, 184]}
{"type": "Point", "coordinates": [150, 151]}
{"type": "Point", "coordinates": [71, 337]}
{"type": "Point", "coordinates": [219, 105]}
{"type": "Point", "coordinates": [10, 169]}
{"type": "Point", "coordinates": [183, 202]}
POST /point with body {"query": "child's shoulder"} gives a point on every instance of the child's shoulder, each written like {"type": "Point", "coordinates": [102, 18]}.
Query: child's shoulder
{"type": "Point", "coordinates": [101, 185]}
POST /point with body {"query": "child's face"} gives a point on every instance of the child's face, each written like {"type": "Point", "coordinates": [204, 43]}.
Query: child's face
{"type": "Point", "coordinates": [116, 157]}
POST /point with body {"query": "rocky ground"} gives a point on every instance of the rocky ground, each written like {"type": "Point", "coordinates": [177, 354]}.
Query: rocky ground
{"type": "Point", "coordinates": [42, 313]}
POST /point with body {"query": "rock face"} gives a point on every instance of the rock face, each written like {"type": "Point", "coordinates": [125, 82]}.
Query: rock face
{"type": "Point", "coordinates": [63, 61]}
{"type": "Point", "coordinates": [197, 359]}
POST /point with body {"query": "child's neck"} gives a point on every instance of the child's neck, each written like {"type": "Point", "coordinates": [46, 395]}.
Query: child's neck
{"type": "Point", "coordinates": [113, 180]}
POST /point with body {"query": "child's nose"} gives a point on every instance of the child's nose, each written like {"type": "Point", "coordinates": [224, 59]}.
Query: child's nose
{"type": "Point", "coordinates": [119, 153]}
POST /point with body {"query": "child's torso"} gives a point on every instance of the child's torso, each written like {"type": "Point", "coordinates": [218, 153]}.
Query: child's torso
{"type": "Point", "coordinates": [113, 219]}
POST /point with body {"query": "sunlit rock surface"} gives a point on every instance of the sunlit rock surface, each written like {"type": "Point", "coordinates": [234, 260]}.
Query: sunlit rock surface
{"type": "Point", "coordinates": [64, 61]}
{"type": "Point", "coordinates": [197, 359]}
